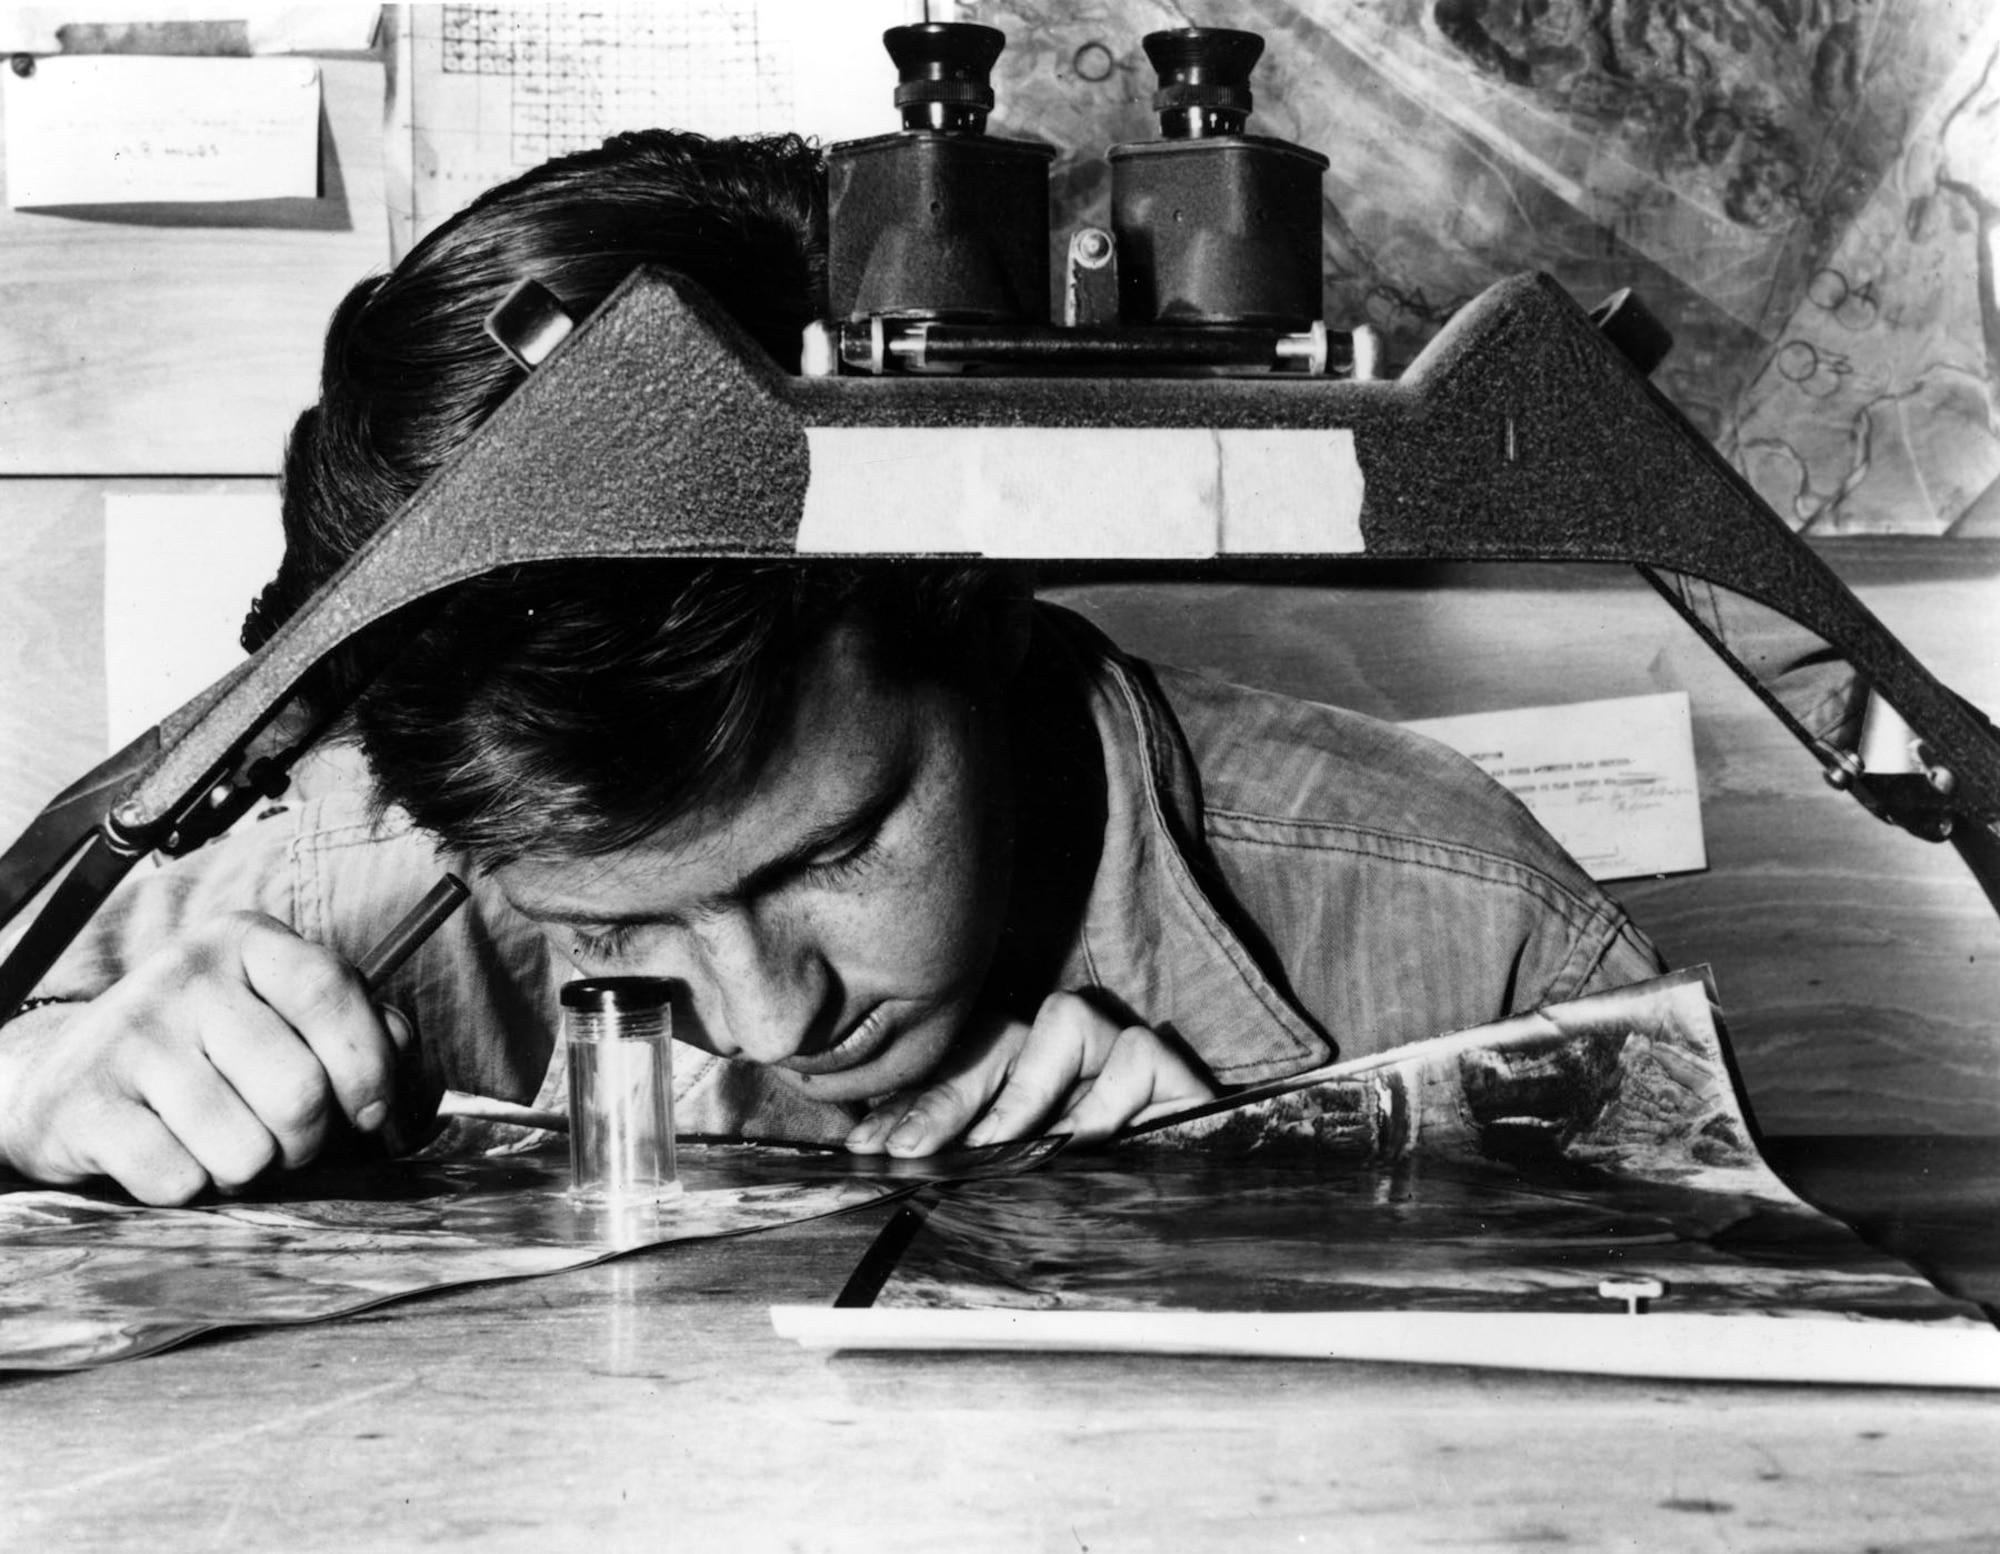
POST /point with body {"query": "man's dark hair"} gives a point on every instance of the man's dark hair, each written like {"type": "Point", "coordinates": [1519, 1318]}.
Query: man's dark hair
{"type": "Point", "coordinates": [576, 707]}
{"type": "Point", "coordinates": [573, 708]}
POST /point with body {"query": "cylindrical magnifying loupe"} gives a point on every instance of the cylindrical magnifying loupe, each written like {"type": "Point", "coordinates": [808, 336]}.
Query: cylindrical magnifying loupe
{"type": "Point", "coordinates": [621, 1111]}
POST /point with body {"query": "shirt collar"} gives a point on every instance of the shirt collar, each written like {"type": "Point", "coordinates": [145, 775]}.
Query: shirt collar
{"type": "Point", "coordinates": [1153, 936]}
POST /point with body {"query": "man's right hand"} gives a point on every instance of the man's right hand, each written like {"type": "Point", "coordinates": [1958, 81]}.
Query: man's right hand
{"type": "Point", "coordinates": [232, 1052]}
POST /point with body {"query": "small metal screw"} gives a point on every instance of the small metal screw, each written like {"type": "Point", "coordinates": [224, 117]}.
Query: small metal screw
{"type": "Point", "coordinates": [1636, 1293]}
{"type": "Point", "coordinates": [819, 352]}
{"type": "Point", "coordinates": [1842, 768]}
{"type": "Point", "coordinates": [24, 65]}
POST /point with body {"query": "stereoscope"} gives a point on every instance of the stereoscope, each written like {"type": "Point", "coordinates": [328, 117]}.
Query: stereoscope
{"type": "Point", "coordinates": [1169, 399]}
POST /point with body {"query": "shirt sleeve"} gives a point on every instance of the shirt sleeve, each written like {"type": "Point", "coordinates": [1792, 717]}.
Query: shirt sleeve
{"type": "Point", "coordinates": [1618, 955]}
{"type": "Point", "coordinates": [1395, 889]}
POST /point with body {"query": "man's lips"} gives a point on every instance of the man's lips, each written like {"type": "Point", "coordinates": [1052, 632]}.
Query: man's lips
{"type": "Point", "coordinates": [870, 1035]}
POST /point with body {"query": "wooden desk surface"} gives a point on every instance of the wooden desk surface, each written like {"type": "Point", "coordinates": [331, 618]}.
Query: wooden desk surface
{"type": "Point", "coordinates": [645, 1404]}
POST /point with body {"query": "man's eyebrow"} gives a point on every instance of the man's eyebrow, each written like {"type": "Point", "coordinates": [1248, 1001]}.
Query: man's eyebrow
{"type": "Point", "coordinates": [829, 834]}
{"type": "Point", "coordinates": [558, 917]}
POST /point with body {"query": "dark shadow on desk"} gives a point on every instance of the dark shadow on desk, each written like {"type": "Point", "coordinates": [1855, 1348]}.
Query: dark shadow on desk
{"type": "Point", "coordinates": [1934, 1202]}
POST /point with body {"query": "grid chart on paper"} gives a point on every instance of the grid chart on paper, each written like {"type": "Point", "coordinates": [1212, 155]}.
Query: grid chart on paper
{"type": "Point", "coordinates": [564, 77]}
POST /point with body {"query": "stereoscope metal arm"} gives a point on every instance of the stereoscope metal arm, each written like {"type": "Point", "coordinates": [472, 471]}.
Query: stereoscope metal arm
{"type": "Point", "coordinates": [658, 429]}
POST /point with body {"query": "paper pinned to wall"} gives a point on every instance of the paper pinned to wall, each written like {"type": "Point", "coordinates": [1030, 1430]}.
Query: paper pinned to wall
{"type": "Point", "coordinates": [180, 570]}
{"type": "Point", "coordinates": [343, 26]}
{"type": "Point", "coordinates": [480, 93]}
{"type": "Point", "coordinates": [188, 27]}
{"type": "Point", "coordinates": [1613, 781]}
{"type": "Point", "coordinates": [122, 129]}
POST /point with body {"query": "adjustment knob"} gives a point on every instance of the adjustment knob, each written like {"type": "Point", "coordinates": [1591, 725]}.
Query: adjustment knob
{"type": "Point", "coordinates": [945, 70]}
{"type": "Point", "coordinates": [1204, 79]}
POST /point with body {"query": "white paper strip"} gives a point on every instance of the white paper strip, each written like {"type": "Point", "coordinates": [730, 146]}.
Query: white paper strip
{"type": "Point", "coordinates": [1692, 1348]}
{"type": "Point", "coordinates": [1133, 493]}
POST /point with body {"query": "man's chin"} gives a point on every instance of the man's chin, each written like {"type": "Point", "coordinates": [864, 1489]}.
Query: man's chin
{"type": "Point", "coordinates": [908, 1060]}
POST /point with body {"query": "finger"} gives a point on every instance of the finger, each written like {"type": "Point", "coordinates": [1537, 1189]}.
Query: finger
{"type": "Point", "coordinates": [142, 1156]}
{"type": "Point", "coordinates": [869, 1134]}
{"type": "Point", "coordinates": [325, 1001]}
{"type": "Point", "coordinates": [207, 1117]}
{"type": "Point", "coordinates": [942, 1112]}
{"type": "Point", "coordinates": [413, 1120]}
{"type": "Point", "coordinates": [1143, 1077]}
{"type": "Point", "coordinates": [944, 1109]}
{"type": "Point", "coordinates": [275, 1074]}
{"type": "Point", "coordinates": [1069, 1043]}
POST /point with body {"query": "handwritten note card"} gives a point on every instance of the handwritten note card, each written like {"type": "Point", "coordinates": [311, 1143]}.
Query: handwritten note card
{"type": "Point", "coordinates": [1613, 781]}
{"type": "Point", "coordinates": [103, 129]}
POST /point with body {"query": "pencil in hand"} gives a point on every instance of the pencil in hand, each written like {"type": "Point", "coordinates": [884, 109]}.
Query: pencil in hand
{"type": "Point", "coordinates": [409, 934]}
{"type": "Point", "coordinates": [414, 1109]}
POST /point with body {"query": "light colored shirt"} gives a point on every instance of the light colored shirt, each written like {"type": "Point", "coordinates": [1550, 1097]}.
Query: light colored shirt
{"type": "Point", "coordinates": [1279, 882]}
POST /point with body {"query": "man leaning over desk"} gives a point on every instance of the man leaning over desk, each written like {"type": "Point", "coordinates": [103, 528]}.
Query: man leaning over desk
{"type": "Point", "coordinates": [932, 861]}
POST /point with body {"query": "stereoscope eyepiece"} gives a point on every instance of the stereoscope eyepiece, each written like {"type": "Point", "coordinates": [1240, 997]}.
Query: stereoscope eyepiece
{"type": "Point", "coordinates": [1204, 79]}
{"type": "Point", "coordinates": [938, 235]}
{"type": "Point", "coordinates": [946, 70]}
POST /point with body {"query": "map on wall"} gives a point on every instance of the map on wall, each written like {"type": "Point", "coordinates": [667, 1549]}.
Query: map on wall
{"type": "Point", "coordinates": [1806, 191]}
{"type": "Point", "coordinates": [481, 93]}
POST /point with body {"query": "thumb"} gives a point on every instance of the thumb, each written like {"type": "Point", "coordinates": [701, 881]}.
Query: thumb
{"type": "Point", "coordinates": [420, 1086]}
{"type": "Point", "coordinates": [402, 1030]}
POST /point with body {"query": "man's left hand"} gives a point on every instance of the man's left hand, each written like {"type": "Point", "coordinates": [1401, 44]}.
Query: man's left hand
{"type": "Point", "coordinates": [1074, 1070]}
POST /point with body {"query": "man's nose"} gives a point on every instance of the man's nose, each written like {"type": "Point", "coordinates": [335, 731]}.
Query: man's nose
{"type": "Point", "coordinates": [763, 990]}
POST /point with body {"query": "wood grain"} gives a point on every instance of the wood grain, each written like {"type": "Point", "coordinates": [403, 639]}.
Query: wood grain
{"type": "Point", "coordinates": [53, 712]}
{"type": "Point", "coordinates": [52, 685]}
{"type": "Point", "coordinates": [646, 1404]}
